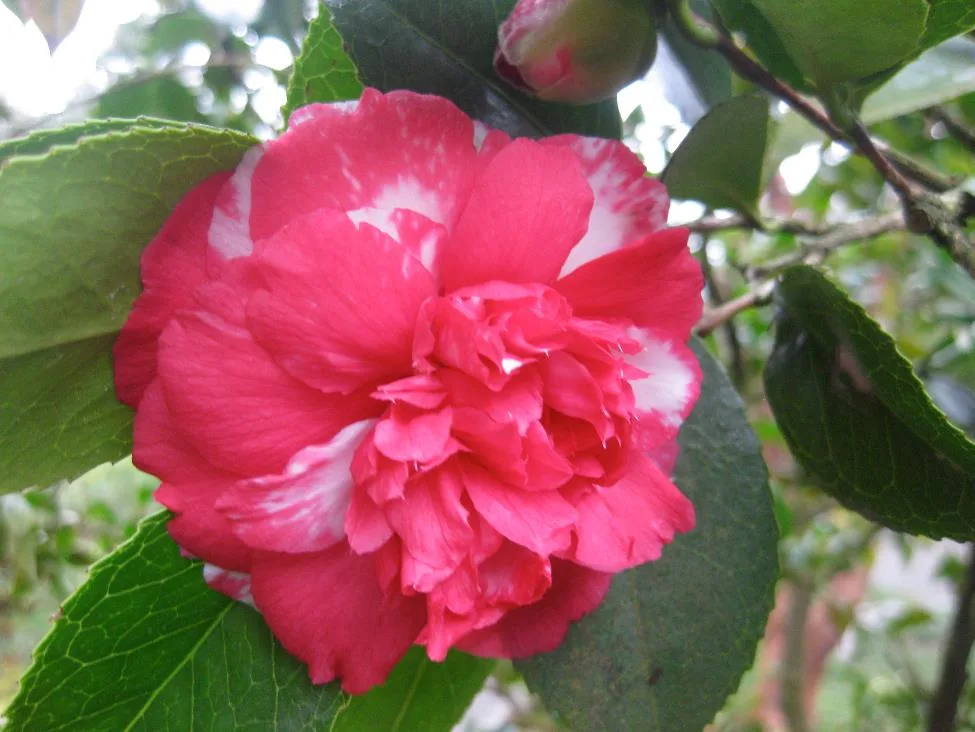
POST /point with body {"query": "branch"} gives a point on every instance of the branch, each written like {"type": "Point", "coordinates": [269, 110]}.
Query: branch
{"type": "Point", "coordinates": [944, 706]}
{"type": "Point", "coordinates": [814, 251]}
{"type": "Point", "coordinates": [925, 213]}
{"type": "Point", "coordinates": [965, 136]}
{"type": "Point", "coordinates": [794, 658]}
{"type": "Point", "coordinates": [716, 299]}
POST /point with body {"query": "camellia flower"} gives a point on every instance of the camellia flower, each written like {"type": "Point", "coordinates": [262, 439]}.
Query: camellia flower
{"type": "Point", "coordinates": [577, 51]}
{"type": "Point", "coordinates": [401, 375]}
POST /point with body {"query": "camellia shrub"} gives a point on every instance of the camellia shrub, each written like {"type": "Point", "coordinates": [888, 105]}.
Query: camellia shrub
{"type": "Point", "coordinates": [422, 378]}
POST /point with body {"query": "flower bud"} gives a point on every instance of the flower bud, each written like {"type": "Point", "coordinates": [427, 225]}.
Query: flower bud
{"type": "Point", "coordinates": [577, 51]}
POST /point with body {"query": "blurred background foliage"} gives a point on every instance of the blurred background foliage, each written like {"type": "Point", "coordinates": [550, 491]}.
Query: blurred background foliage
{"type": "Point", "coordinates": [860, 625]}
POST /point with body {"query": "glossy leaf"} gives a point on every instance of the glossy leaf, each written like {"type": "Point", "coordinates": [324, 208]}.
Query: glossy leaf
{"type": "Point", "coordinates": [858, 419]}
{"type": "Point", "coordinates": [72, 229]}
{"type": "Point", "coordinates": [673, 637]}
{"type": "Point", "coordinates": [323, 72]}
{"type": "Point", "coordinates": [743, 17]}
{"type": "Point", "coordinates": [144, 644]}
{"type": "Point", "coordinates": [41, 141]}
{"type": "Point", "coordinates": [947, 19]}
{"type": "Point", "coordinates": [721, 161]}
{"type": "Point", "coordinates": [941, 74]}
{"type": "Point", "coordinates": [846, 40]}
{"type": "Point", "coordinates": [448, 49]}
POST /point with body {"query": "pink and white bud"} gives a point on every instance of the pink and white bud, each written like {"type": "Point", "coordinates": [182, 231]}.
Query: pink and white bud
{"type": "Point", "coordinates": [577, 51]}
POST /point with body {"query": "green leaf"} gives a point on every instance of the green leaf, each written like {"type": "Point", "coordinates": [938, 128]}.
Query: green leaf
{"type": "Point", "coordinates": [59, 414]}
{"type": "Point", "coordinates": [162, 97]}
{"type": "Point", "coordinates": [846, 40]}
{"type": "Point", "coordinates": [72, 229]}
{"type": "Point", "coordinates": [940, 75]}
{"type": "Point", "coordinates": [41, 141]}
{"type": "Point", "coordinates": [858, 419]}
{"type": "Point", "coordinates": [721, 161]}
{"type": "Point", "coordinates": [673, 637]}
{"type": "Point", "coordinates": [743, 17]}
{"type": "Point", "coordinates": [447, 48]}
{"type": "Point", "coordinates": [323, 72]}
{"type": "Point", "coordinates": [144, 644]}
{"type": "Point", "coordinates": [709, 72]}
{"type": "Point", "coordinates": [172, 31]}
{"type": "Point", "coordinates": [947, 19]}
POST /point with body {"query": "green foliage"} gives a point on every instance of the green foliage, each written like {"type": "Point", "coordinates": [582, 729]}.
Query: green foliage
{"type": "Point", "coordinates": [721, 162]}
{"type": "Point", "coordinates": [146, 645]}
{"type": "Point", "coordinates": [59, 413]}
{"type": "Point", "coordinates": [448, 49]}
{"type": "Point", "coordinates": [846, 40]}
{"type": "Point", "coordinates": [744, 17]}
{"type": "Point", "coordinates": [708, 70]}
{"type": "Point", "coordinates": [323, 72]}
{"type": "Point", "coordinates": [72, 229]}
{"type": "Point", "coordinates": [673, 638]}
{"type": "Point", "coordinates": [162, 97]}
{"type": "Point", "coordinates": [858, 419]}
{"type": "Point", "coordinates": [38, 143]}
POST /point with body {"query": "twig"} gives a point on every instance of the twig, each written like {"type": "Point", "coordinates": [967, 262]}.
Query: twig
{"type": "Point", "coordinates": [944, 706]}
{"type": "Point", "coordinates": [892, 175]}
{"type": "Point", "coordinates": [965, 136]}
{"type": "Point", "coordinates": [716, 299]}
{"type": "Point", "coordinates": [712, 224]}
{"type": "Point", "coordinates": [793, 665]}
{"type": "Point", "coordinates": [810, 252]}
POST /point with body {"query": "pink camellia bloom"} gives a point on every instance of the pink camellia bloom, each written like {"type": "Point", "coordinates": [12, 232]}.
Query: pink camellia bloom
{"type": "Point", "coordinates": [577, 51]}
{"type": "Point", "coordinates": [401, 376]}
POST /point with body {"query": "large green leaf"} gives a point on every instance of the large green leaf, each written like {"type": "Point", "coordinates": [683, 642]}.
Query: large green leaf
{"type": "Point", "coordinates": [673, 637]}
{"type": "Point", "coordinates": [146, 645]}
{"type": "Point", "coordinates": [858, 419]}
{"type": "Point", "coordinates": [743, 17]}
{"type": "Point", "coordinates": [323, 72]}
{"type": "Point", "coordinates": [846, 40]}
{"type": "Point", "coordinates": [447, 48]}
{"type": "Point", "coordinates": [59, 415]}
{"type": "Point", "coordinates": [947, 19]}
{"type": "Point", "coordinates": [41, 141]}
{"type": "Point", "coordinates": [73, 225]}
{"type": "Point", "coordinates": [721, 161]}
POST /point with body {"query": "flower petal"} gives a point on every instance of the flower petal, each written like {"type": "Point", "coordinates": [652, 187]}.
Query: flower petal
{"type": "Point", "coordinates": [629, 523]}
{"type": "Point", "coordinates": [656, 283]}
{"type": "Point", "coordinates": [236, 406]}
{"type": "Point", "coordinates": [432, 524]}
{"type": "Point", "coordinates": [409, 435]}
{"type": "Point", "coordinates": [539, 628]}
{"type": "Point", "coordinates": [304, 508]}
{"type": "Point", "coordinates": [173, 266]}
{"type": "Point", "coordinates": [669, 391]}
{"type": "Point", "coordinates": [342, 302]}
{"type": "Point", "coordinates": [538, 520]}
{"type": "Point", "coordinates": [236, 585]}
{"type": "Point", "coordinates": [629, 204]}
{"type": "Point", "coordinates": [526, 212]}
{"type": "Point", "coordinates": [328, 610]}
{"type": "Point", "coordinates": [393, 151]}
